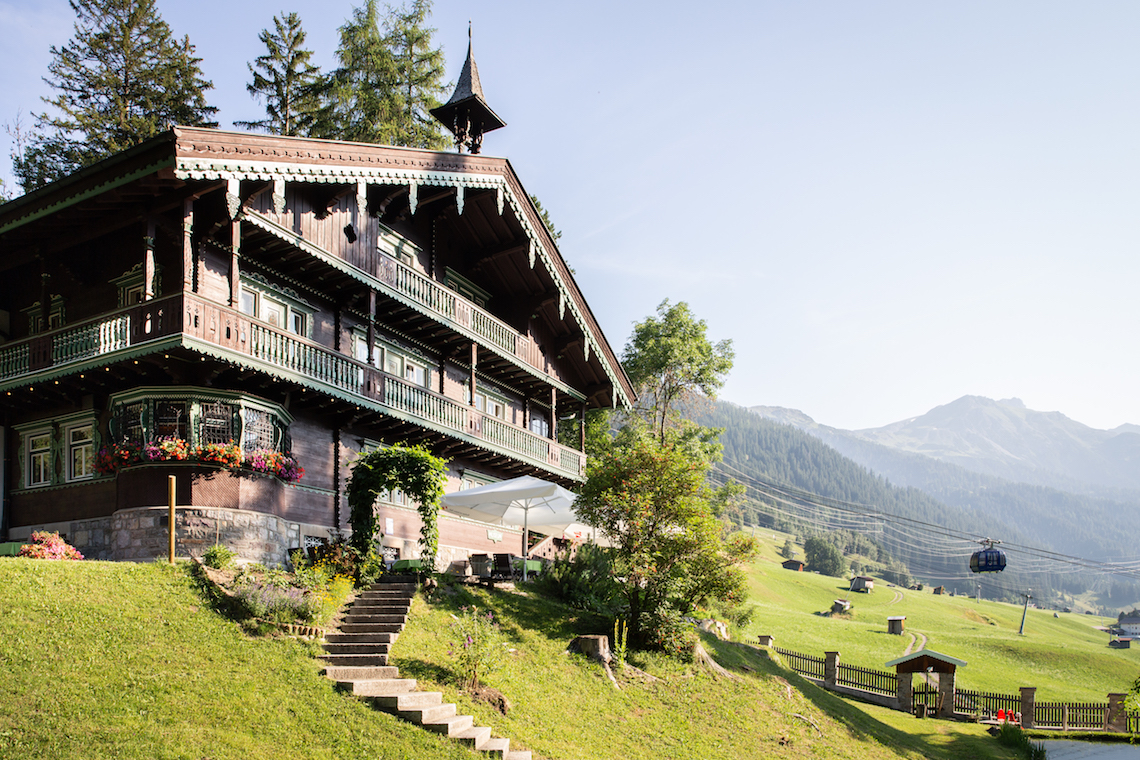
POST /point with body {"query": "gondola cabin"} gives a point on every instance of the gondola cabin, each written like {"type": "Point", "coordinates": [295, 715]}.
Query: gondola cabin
{"type": "Point", "coordinates": [988, 560]}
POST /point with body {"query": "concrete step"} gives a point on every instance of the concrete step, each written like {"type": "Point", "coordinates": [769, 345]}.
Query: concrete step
{"type": "Point", "coordinates": [360, 638]}
{"type": "Point", "coordinates": [340, 673]}
{"type": "Point", "coordinates": [374, 617]}
{"type": "Point", "coordinates": [429, 715]}
{"type": "Point", "coordinates": [454, 726]}
{"type": "Point", "coordinates": [377, 687]}
{"type": "Point", "coordinates": [518, 754]}
{"type": "Point", "coordinates": [355, 660]}
{"type": "Point", "coordinates": [391, 606]}
{"type": "Point", "coordinates": [474, 737]}
{"type": "Point", "coordinates": [409, 701]}
{"type": "Point", "coordinates": [377, 609]}
{"type": "Point", "coordinates": [373, 648]}
{"type": "Point", "coordinates": [496, 747]}
{"type": "Point", "coordinates": [371, 627]}
{"type": "Point", "coordinates": [387, 593]}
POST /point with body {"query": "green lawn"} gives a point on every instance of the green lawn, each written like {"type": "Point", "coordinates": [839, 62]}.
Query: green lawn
{"type": "Point", "coordinates": [563, 706]}
{"type": "Point", "coordinates": [122, 660]}
{"type": "Point", "coordinates": [1064, 657]}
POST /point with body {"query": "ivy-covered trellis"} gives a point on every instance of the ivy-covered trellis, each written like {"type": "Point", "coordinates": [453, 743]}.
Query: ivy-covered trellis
{"type": "Point", "coordinates": [416, 472]}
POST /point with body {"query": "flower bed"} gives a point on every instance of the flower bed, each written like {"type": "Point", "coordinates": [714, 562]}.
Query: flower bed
{"type": "Point", "coordinates": [115, 456]}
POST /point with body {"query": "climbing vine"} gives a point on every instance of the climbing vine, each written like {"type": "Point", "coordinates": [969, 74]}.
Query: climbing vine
{"type": "Point", "coordinates": [413, 470]}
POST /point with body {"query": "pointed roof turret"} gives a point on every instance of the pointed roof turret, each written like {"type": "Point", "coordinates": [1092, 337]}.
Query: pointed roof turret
{"type": "Point", "coordinates": [467, 115]}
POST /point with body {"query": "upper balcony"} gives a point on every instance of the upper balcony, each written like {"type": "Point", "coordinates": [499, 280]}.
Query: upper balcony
{"type": "Point", "coordinates": [187, 321]}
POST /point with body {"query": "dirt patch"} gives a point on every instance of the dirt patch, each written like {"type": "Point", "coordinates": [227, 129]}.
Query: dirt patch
{"type": "Point", "coordinates": [492, 697]}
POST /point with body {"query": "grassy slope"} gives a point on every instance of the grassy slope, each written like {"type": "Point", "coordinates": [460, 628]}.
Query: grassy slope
{"type": "Point", "coordinates": [1064, 657]}
{"type": "Point", "coordinates": [564, 707]}
{"type": "Point", "coordinates": [118, 660]}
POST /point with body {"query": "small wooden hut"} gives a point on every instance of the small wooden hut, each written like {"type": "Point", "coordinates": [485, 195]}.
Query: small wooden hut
{"type": "Point", "coordinates": [793, 564]}
{"type": "Point", "coordinates": [864, 583]}
{"type": "Point", "coordinates": [896, 625]}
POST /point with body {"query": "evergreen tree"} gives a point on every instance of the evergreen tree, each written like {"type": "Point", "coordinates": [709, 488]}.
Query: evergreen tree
{"type": "Point", "coordinates": [387, 79]}
{"type": "Point", "coordinates": [419, 75]}
{"type": "Point", "coordinates": [121, 79]}
{"type": "Point", "coordinates": [285, 80]}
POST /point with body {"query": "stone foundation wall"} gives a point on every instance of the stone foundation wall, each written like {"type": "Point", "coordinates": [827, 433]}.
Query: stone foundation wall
{"type": "Point", "coordinates": [140, 534]}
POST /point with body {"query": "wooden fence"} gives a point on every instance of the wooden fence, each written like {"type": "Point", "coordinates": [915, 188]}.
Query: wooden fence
{"type": "Point", "coordinates": [1070, 715]}
{"type": "Point", "coordinates": [804, 664]}
{"type": "Point", "coordinates": [867, 679]}
{"type": "Point", "coordinates": [985, 703]}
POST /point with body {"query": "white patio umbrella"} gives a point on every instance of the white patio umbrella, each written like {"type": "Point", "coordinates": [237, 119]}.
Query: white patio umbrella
{"type": "Point", "coordinates": [526, 500]}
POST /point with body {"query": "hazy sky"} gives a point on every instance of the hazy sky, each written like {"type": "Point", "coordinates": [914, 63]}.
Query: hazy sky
{"type": "Point", "coordinates": [885, 205]}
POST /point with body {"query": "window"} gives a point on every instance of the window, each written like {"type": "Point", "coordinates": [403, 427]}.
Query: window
{"type": "Point", "coordinates": [81, 452]}
{"type": "Point", "coordinates": [257, 430]}
{"type": "Point", "coordinates": [281, 308]}
{"type": "Point", "coordinates": [490, 405]}
{"type": "Point", "coordinates": [415, 371]}
{"type": "Point", "coordinates": [132, 423]}
{"type": "Point", "coordinates": [465, 287]}
{"type": "Point", "coordinates": [217, 423]}
{"type": "Point", "coordinates": [171, 419]}
{"type": "Point", "coordinates": [539, 426]}
{"type": "Point", "coordinates": [38, 446]}
{"type": "Point", "coordinates": [56, 316]}
{"type": "Point", "coordinates": [132, 287]}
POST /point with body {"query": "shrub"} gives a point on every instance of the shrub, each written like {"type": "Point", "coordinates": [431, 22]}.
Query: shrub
{"type": "Point", "coordinates": [47, 545]}
{"type": "Point", "coordinates": [218, 556]}
{"type": "Point", "coordinates": [282, 605]}
{"type": "Point", "coordinates": [1011, 735]}
{"type": "Point", "coordinates": [478, 647]}
{"type": "Point", "coordinates": [665, 630]}
{"type": "Point", "coordinates": [584, 581]}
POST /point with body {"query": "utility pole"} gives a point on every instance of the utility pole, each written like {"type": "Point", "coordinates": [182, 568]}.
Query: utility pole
{"type": "Point", "coordinates": [1028, 596]}
{"type": "Point", "coordinates": [978, 594]}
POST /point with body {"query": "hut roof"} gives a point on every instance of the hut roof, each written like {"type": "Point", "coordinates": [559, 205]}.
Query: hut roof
{"type": "Point", "coordinates": [916, 662]}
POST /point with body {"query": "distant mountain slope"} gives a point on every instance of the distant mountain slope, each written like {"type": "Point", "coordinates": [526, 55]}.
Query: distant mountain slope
{"type": "Point", "coordinates": [1007, 440]}
{"type": "Point", "coordinates": [1077, 524]}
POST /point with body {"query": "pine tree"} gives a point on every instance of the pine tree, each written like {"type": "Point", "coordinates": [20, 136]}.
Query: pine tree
{"type": "Point", "coordinates": [386, 81]}
{"type": "Point", "coordinates": [285, 79]}
{"type": "Point", "coordinates": [419, 71]}
{"type": "Point", "coordinates": [359, 102]}
{"type": "Point", "coordinates": [121, 79]}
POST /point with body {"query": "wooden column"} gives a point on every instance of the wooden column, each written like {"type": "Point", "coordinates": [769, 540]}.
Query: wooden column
{"type": "Point", "coordinates": [553, 413]}
{"type": "Point", "coordinates": [148, 262]}
{"type": "Point", "coordinates": [442, 368]}
{"type": "Point", "coordinates": [188, 246]}
{"type": "Point", "coordinates": [371, 325]}
{"type": "Point", "coordinates": [526, 414]}
{"type": "Point", "coordinates": [337, 321]}
{"type": "Point", "coordinates": [474, 364]}
{"type": "Point", "coordinates": [582, 428]}
{"type": "Point", "coordinates": [235, 272]}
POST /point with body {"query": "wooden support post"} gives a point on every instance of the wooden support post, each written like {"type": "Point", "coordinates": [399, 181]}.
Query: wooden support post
{"type": "Point", "coordinates": [172, 493]}
{"type": "Point", "coordinates": [474, 364]}
{"type": "Point", "coordinates": [188, 246]}
{"type": "Point", "coordinates": [235, 272]}
{"type": "Point", "coordinates": [553, 413]}
{"type": "Point", "coordinates": [148, 262]}
{"type": "Point", "coordinates": [371, 325]}
{"type": "Point", "coordinates": [582, 428]}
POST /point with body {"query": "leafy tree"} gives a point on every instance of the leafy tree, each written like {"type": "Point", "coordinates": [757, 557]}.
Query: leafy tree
{"type": "Point", "coordinates": [544, 215]}
{"type": "Point", "coordinates": [652, 499]}
{"type": "Point", "coordinates": [670, 358]}
{"type": "Point", "coordinates": [788, 551]}
{"type": "Point", "coordinates": [387, 78]}
{"type": "Point", "coordinates": [419, 76]}
{"type": "Point", "coordinates": [285, 80]}
{"type": "Point", "coordinates": [121, 79]}
{"type": "Point", "coordinates": [820, 555]}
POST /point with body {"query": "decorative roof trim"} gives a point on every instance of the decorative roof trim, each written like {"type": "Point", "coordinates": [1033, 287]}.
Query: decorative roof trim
{"type": "Point", "coordinates": [251, 169]}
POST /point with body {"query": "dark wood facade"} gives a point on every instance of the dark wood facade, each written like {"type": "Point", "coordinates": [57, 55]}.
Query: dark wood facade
{"type": "Point", "coordinates": [356, 294]}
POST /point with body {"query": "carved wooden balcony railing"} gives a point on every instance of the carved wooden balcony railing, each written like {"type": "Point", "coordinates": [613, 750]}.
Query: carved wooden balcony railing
{"type": "Point", "coordinates": [203, 324]}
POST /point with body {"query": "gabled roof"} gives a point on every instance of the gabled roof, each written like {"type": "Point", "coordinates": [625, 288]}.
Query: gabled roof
{"type": "Point", "coordinates": [182, 159]}
{"type": "Point", "coordinates": [924, 658]}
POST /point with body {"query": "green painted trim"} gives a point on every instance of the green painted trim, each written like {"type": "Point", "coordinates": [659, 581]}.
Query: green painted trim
{"type": "Point", "coordinates": [88, 365]}
{"type": "Point", "coordinates": [291, 237]}
{"type": "Point", "coordinates": [310, 382]}
{"type": "Point", "coordinates": [90, 192]}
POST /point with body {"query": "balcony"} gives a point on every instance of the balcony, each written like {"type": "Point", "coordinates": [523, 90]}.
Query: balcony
{"type": "Point", "coordinates": [198, 324]}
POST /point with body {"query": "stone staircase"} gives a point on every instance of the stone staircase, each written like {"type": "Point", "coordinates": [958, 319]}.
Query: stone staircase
{"type": "Point", "coordinates": [357, 659]}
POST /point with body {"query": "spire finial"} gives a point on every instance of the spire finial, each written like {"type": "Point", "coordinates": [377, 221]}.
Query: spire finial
{"type": "Point", "coordinates": [467, 115]}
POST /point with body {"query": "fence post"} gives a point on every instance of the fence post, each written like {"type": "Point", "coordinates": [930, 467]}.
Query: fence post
{"type": "Point", "coordinates": [1115, 718]}
{"type": "Point", "coordinates": [1028, 705]}
{"type": "Point", "coordinates": [830, 668]}
{"type": "Point", "coordinates": [904, 692]}
{"type": "Point", "coordinates": [946, 694]}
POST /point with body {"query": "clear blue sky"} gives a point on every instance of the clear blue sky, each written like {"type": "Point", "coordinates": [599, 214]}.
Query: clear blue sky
{"type": "Point", "coordinates": [885, 205]}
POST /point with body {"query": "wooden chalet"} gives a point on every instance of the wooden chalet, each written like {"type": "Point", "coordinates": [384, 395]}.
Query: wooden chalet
{"type": "Point", "coordinates": [294, 297]}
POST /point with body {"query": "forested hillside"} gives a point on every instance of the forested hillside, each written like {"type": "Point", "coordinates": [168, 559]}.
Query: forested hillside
{"type": "Point", "coordinates": [755, 447]}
